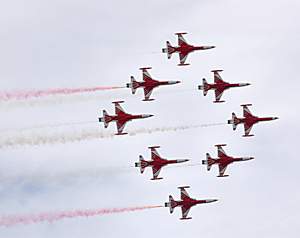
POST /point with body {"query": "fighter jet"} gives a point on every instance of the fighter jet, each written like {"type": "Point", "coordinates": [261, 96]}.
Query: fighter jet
{"type": "Point", "coordinates": [156, 162]}
{"type": "Point", "coordinates": [121, 118]}
{"type": "Point", "coordinates": [148, 84]}
{"type": "Point", "coordinates": [248, 120]}
{"type": "Point", "coordinates": [223, 161]}
{"type": "Point", "coordinates": [185, 203]}
{"type": "Point", "coordinates": [183, 48]}
{"type": "Point", "coordinates": [219, 86]}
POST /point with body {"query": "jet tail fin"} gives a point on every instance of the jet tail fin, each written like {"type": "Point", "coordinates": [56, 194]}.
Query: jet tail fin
{"type": "Point", "coordinates": [105, 119]}
{"type": "Point", "coordinates": [142, 164]}
{"type": "Point", "coordinates": [233, 121]}
{"type": "Point", "coordinates": [133, 85]}
{"type": "Point", "coordinates": [204, 86]}
{"type": "Point", "coordinates": [169, 50]}
{"type": "Point", "coordinates": [209, 161]}
{"type": "Point", "coordinates": [171, 204]}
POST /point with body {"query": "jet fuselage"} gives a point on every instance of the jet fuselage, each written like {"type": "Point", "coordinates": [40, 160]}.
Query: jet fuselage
{"type": "Point", "coordinates": [186, 49]}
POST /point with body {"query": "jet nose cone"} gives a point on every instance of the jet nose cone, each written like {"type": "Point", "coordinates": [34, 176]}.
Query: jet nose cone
{"type": "Point", "coordinates": [173, 82]}
{"type": "Point", "coordinates": [275, 118]}
{"type": "Point", "coordinates": [147, 115]}
{"type": "Point", "coordinates": [212, 47]}
{"type": "Point", "coordinates": [248, 158]}
{"type": "Point", "coordinates": [244, 84]}
{"type": "Point", "coordinates": [182, 160]}
{"type": "Point", "coordinates": [211, 200]}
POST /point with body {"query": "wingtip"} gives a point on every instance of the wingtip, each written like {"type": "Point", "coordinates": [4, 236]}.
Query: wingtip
{"type": "Point", "coordinates": [246, 104]}
{"type": "Point", "coordinates": [154, 147]}
{"type": "Point", "coordinates": [183, 187]}
{"type": "Point", "coordinates": [118, 102]}
{"type": "Point", "coordinates": [220, 145]}
{"type": "Point", "coordinates": [143, 68]}
{"type": "Point", "coordinates": [180, 33]}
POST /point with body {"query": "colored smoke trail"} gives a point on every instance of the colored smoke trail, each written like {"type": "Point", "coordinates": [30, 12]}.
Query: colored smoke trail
{"type": "Point", "coordinates": [46, 137]}
{"type": "Point", "coordinates": [8, 105]}
{"type": "Point", "coordinates": [12, 220]}
{"type": "Point", "coordinates": [21, 95]}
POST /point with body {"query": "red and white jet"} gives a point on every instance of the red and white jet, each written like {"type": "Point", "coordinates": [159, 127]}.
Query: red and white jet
{"type": "Point", "coordinates": [248, 120]}
{"type": "Point", "coordinates": [121, 118]}
{"type": "Point", "coordinates": [219, 86]}
{"type": "Point", "coordinates": [183, 48]}
{"type": "Point", "coordinates": [185, 203]}
{"type": "Point", "coordinates": [223, 160]}
{"type": "Point", "coordinates": [148, 84]}
{"type": "Point", "coordinates": [156, 162]}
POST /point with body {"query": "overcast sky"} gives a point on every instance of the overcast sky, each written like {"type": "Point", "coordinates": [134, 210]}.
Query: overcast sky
{"type": "Point", "coordinates": [63, 43]}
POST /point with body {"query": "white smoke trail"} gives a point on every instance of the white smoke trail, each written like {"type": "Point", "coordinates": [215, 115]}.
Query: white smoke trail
{"type": "Point", "coordinates": [43, 178]}
{"type": "Point", "coordinates": [60, 99]}
{"type": "Point", "coordinates": [46, 137]}
{"type": "Point", "coordinates": [56, 216]}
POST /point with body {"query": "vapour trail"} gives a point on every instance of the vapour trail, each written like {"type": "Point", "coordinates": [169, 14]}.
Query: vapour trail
{"type": "Point", "coordinates": [42, 178]}
{"type": "Point", "coordinates": [12, 220]}
{"type": "Point", "coordinates": [43, 137]}
{"type": "Point", "coordinates": [22, 95]}
{"type": "Point", "coordinates": [50, 100]}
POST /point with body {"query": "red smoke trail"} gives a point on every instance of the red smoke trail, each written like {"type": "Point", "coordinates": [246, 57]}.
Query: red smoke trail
{"type": "Point", "coordinates": [56, 216]}
{"type": "Point", "coordinates": [18, 95]}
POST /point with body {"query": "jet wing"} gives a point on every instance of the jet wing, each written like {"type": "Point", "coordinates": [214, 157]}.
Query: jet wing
{"type": "Point", "coordinates": [147, 92]}
{"type": "Point", "coordinates": [247, 128]}
{"type": "Point", "coordinates": [181, 40]}
{"type": "Point", "coordinates": [156, 171]}
{"type": "Point", "coordinates": [183, 194]}
{"type": "Point", "coordinates": [217, 77]}
{"type": "Point", "coordinates": [246, 111]}
{"type": "Point", "coordinates": [222, 169]}
{"type": "Point", "coordinates": [185, 211]}
{"type": "Point", "coordinates": [221, 151]}
{"type": "Point", "coordinates": [218, 94]}
{"type": "Point", "coordinates": [154, 154]}
{"type": "Point", "coordinates": [118, 109]}
{"type": "Point", "coordinates": [146, 75]}
{"type": "Point", "coordinates": [120, 126]}
{"type": "Point", "coordinates": [182, 57]}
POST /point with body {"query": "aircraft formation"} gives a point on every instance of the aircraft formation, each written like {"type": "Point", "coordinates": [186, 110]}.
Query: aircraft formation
{"type": "Point", "coordinates": [157, 162]}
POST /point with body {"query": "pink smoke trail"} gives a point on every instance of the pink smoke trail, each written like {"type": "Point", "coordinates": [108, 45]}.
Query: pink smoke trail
{"type": "Point", "coordinates": [19, 95]}
{"type": "Point", "coordinates": [13, 220]}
